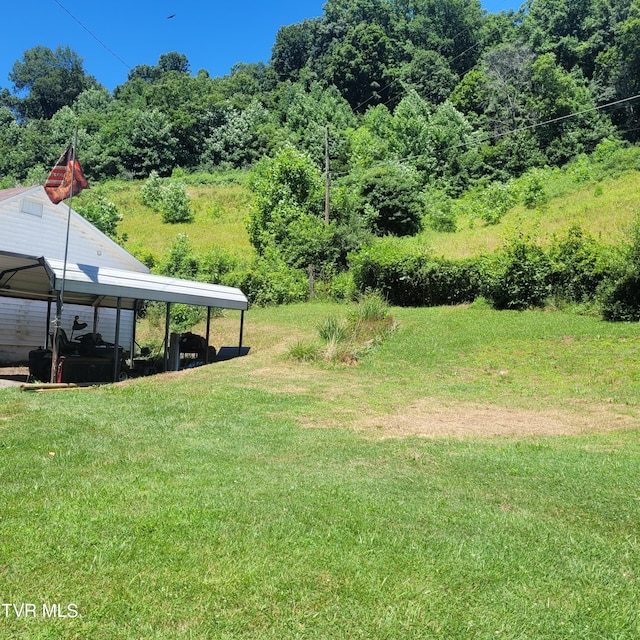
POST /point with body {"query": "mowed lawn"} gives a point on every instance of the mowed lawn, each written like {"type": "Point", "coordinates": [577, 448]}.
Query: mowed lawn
{"type": "Point", "coordinates": [477, 475]}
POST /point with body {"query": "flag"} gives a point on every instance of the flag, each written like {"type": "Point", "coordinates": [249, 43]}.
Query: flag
{"type": "Point", "coordinates": [66, 178]}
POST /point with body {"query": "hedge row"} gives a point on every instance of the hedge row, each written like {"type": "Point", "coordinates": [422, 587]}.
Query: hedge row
{"type": "Point", "coordinates": [574, 269]}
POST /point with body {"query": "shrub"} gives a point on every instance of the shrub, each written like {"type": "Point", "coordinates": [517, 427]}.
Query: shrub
{"type": "Point", "coordinates": [268, 281]}
{"type": "Point", "coordinates": [620, 296]}
{"type": "Point", "coordinates": [440, 213]}
{"type": "Point", "coordinates": [578, 266]}
{"type": "Point", "coordinates": [176, 205]}
{"type": "Point", "coordinates": [104, 215]}
{"type": "Point", "coordinates": [170, 199]}
{"type": "Point", "coordinates": [522, 277]}
{"type": "Point", "coordinates": [533, 192]}
{"type": "Point", "coordinates": [185, 316]}
{"type": "Point", "coordinates": [391, 200]}
{"type": "Point", "coordinates": [152, 191]}
{"type": "Point", "coordinates": [180, 261]}
{"type": "Point", "coordinates": [408, 276]}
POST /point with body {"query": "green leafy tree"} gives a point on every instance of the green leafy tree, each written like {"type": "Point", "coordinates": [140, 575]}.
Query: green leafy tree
{"type": "Point", "coordinates": [430, 75]}
{"type": "Point", "coordinates": [391, 202]}
{"type": "Point", "coordinates": [50, 80]}
{"type": "Point", "coordinates": [358, 65]}
{"type": "Point", "coordinates": [240, 139]}
{"type": "Point", "coordinates": [286, 188]}
{"type": "Point", "coordinates": [147, 143]}
{"type": "Point", "coordinates": [306, 112]}
{"type": "Point", "coordinates": [293, 49]}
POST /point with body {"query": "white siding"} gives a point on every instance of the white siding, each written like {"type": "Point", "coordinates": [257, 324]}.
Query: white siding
{"type": "Point", "coordinates": [23, 326]}
{"type": "Point", "coordinates": [45, 235]}
{"type": "Point", "coordinates": [31, 224]}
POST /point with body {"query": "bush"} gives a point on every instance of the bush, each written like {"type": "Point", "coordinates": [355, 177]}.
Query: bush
{"type": "Point", "coordinates": [152, 191]}
{"type": "Point", "coordinates": [522, 277]}
{"type": "Point", "coordinates": [409, 276]}
{"type": "Point", "coordinates": [170, 199]}
{"type": "Point", "coordinates": [578, 266]}
{"type": "Point", "coordinates": [269, 281]}
{"type": "Point", "coordinates": [620, 296]}
{"type": "Point", "coordinates": [440, 212]}
{"type": "Point", "coordinates": [103, 215]}
{"type": "Point", "coordinates": [391, 201]}
{"type": "Point", "coordinates": [621, 299]}
{"type": "Point", "coordinates": [533, 192]}
{"type": "Point", "coordinates": [175, 205]}
{"type": "Point", "coordinates": [180, 261]}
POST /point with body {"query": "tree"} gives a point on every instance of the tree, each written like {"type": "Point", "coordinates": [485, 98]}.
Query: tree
{"type": "Point", "coordinates": [286, 187]}
{"type": "Point", "coordinates": [306, 112]}
{"type": "Point", "coordinates": [293, 49]}
{"type": "Point", "coordinates": [391, 200]}
{"type": "Point", "coordinates": [238, 140]}
{"type": "Point", "coordinates": [357, 66]}
{"type": "Point", "coordinates": [51, 80]}
{"type": "Point", "coordinates": [430, 75]}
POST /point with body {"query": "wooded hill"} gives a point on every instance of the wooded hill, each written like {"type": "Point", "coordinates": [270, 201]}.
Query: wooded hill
{"type": "Point", "coordinates": [429, 115]}
{"type": "Point", "coordinates": [451, 92]}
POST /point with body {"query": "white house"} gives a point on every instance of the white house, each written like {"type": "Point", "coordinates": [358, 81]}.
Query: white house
{"type": "Point", "coordinates": [31, 225]}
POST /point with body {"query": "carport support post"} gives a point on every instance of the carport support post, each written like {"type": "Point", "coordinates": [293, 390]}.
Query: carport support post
{"type": "Point", "coordinates": [46, 333]}
{"type": "Point", "coordinates": [241, 330]}
{"type": "Point", "coordinates": [206, 353]}
{"type": "Point", "coordinates": [167, 323]}
{"type": "Point", "coordinates": [136, 305]}
{"type": "Point", "coordinates": [116, 346]}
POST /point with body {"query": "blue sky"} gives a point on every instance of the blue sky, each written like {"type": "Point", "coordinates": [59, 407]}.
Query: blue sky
{"type": "Point", "coordinates": [213, 35]}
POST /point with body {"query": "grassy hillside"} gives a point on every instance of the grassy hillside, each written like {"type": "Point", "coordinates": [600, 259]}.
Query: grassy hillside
{"type": "Point", "coordinates": [220, 212]}
{"type": "Point", "coordinates": [474, 477]}
{"type": "Point", "coordinates": [606, 208]}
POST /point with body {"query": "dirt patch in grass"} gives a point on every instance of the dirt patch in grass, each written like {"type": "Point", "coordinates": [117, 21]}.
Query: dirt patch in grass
{"type": "Point", "coordinates": [429, 418]}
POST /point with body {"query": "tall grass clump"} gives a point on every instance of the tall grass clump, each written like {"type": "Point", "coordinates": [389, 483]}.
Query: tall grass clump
{"type": "Point", "coordinates": [347, 340]}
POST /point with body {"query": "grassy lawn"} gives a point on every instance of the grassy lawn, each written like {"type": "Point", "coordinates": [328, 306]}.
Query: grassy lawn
{"type": "Point", "coordinates": [263, 498]}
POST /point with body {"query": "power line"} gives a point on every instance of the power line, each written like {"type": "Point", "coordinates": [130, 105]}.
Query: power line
{"type": "Point", "coordinates": [93, 35]}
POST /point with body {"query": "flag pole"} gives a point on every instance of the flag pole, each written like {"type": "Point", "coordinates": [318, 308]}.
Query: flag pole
{"type": "Point", "coordinates": [55, 354]}
{"type": "Point", "coordinates": [69, 203]}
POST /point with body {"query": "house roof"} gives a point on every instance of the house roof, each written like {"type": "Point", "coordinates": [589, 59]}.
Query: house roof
{"type": "Point", "coordinates": [7, 194]}
{"type": "Point", "coordinates": [39, 278]}
{"type": "Point", "coordinates": [43, 232]}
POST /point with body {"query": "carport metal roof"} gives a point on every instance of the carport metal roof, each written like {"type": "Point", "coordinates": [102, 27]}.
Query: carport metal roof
{"type": "Point", "coordinates": [42, 278]}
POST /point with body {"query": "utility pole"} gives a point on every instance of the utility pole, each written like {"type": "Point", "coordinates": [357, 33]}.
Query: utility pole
{"type": "Point", "coordinates": [326, 174]}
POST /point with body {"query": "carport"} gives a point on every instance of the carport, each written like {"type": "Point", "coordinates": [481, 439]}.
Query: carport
{"type": "Point", "coordinates": [38, 278]}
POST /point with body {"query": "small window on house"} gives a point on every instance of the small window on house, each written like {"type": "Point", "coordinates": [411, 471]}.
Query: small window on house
{"type": "Point", "coordinates": [32, 207]}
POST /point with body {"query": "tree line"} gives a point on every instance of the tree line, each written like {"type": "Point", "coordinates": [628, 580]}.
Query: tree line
{"type": "Point", "coordinates": [441, 86]}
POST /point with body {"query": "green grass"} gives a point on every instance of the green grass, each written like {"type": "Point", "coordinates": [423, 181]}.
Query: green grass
{"type": "Point", "coordinates": [220, 211]}
{"type": "Point", "coordinates": [252, 499]}
{"type": "Point", "coordinates": [606, 209]}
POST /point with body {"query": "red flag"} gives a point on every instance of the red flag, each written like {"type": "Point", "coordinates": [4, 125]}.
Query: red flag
{"type": "Point", "coordinates": [66, 178]}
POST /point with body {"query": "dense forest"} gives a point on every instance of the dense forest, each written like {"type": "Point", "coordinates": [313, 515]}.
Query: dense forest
{"type": "Point", "coordinates": [404, 104]}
